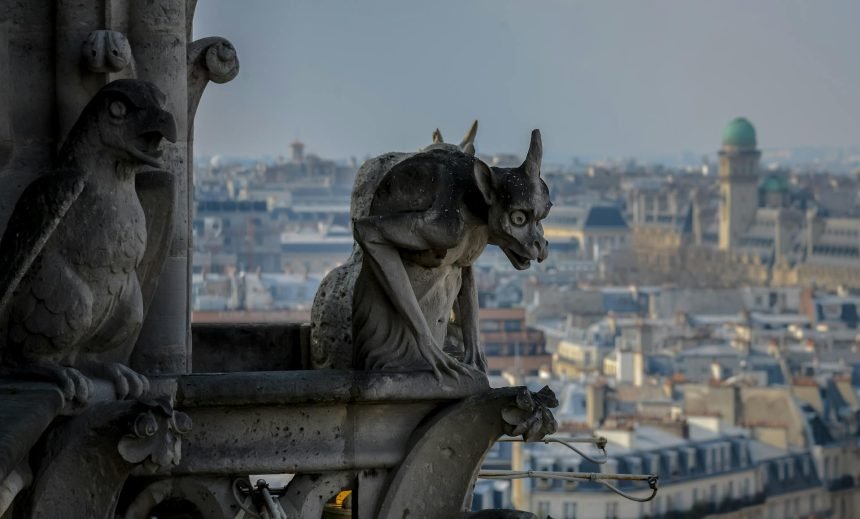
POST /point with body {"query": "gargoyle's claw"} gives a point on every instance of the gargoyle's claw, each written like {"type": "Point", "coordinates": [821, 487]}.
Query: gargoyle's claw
{"type": "Point", "coordinates": [128, 383]}
{"type": "Point", "coordinates": [76, 387]}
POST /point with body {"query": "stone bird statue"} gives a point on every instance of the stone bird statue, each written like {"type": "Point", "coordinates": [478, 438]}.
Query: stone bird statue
{"type": "Point", "coordinates": [71, 305]}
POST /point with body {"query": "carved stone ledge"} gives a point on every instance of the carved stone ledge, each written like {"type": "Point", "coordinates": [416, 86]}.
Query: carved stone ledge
{"type": "Point", "coordinates": [442, 461]}
{"type": "Point", "coordinates": [315, 386]}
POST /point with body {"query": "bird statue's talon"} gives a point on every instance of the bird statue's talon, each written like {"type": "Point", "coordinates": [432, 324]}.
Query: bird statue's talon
{"type": "Point", "coordinates": [128, 384]}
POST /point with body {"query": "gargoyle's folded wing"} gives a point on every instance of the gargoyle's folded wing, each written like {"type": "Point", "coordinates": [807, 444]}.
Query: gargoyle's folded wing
{"type": "Point", "coordinates": [38, 212]}
{"type": "Point", "coordinates": [157, 193]}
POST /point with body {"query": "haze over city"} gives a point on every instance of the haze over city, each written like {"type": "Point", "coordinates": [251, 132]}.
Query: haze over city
{"type": "Point", "coordinates": [274, 290]}
{"type": "Point", "coordinates": [632, 79]}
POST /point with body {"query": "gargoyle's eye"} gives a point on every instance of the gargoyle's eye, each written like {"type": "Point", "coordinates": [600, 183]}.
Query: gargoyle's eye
{"type": "Point", "coordinates": [518, 218]}
{"type": "Point", "coordinates": [118, 109]}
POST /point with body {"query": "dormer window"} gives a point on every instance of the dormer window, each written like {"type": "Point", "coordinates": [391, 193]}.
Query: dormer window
{"type": "Point", "coordinates": [673, 464]}
{"type": "Point", "coordinates": [691, 459]}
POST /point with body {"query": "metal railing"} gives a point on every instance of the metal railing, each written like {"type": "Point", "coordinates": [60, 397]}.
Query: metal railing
{"type": "Point", "coordinates": [601, 478]}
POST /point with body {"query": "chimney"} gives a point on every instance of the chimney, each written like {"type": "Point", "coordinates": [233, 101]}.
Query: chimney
{"type": "Point", "coordinates": [697, 219]}
{"type": "Point", "coordinates": [297, 152]}
{"type": "Point", "coordinates": [595, 404]}
{"type": "Point", "coordinates": [716, 371]}
{"type": "Point", "coordinates": [638, 368]}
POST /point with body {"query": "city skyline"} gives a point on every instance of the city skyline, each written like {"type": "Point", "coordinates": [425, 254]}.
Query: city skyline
{"type": "Point", "coordinates": [655, 78]}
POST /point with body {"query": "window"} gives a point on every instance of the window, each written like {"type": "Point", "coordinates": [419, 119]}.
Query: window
{"type": "Point", "coordinates": [570, 511]}
{"type": "Point", "coordinates": [543, 509]}
{"type": "Point", "coordinates": [611, 510]}
{"type": "Point", "coordinates": [655, 464]}
{"type": "Point", "coordinates": [695, 496]}
{"type": "Point", "coordinates": [570, 484]}
{"type": "Point", "coordinates": [544, 483]}
{"type": "Point", "coordinates": [489, 325]}
{"type": "Point", "coordinates": [673, 464]}
{"type": "Point", "coordinates": [513, 325]}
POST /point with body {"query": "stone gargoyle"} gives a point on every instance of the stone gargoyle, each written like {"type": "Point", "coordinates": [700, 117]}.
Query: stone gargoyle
{"type": "Point", "coordinates": [428, 217]}
{"type": "Point", "coordinates": [81, 242]}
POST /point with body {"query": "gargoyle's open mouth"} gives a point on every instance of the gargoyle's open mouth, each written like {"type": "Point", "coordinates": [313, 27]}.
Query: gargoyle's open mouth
{"type": "Point", "coordinates": [147, 148]}
{"type": "Point", "coordinates": [519, 261]}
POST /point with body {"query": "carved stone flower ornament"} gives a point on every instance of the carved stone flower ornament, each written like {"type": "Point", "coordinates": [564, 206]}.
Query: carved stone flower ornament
{"type": "Point", "coordinates": [530, 414]}
{"type": "Point", "coordinates": [154, 439]}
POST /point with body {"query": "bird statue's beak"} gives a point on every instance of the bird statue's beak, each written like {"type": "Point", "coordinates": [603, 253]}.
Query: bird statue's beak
{"type": "Point", "coordinates": [147, 145]}
{"type": "Point", "coordinates": [165, 124]}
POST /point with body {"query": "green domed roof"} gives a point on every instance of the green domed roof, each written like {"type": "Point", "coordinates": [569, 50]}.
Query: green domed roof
{"type": "Point", "coordinates": [774, 183]}
{"type": "Point", "coordinates": [739, 133]}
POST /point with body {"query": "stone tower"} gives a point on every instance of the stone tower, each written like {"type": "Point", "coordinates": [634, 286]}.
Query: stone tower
{"type": "Point", "coordinates": [739, 160]}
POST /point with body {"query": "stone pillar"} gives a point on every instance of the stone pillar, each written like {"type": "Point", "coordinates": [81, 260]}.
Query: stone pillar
{"type": "Point", "coordinates": [6, 144]}
{"type": "Point", "coordinates": [27, 103]}
{"type": "Point", "coordinates": [158, 37]}
{"type": "Point", "coordinates": [595, 404]}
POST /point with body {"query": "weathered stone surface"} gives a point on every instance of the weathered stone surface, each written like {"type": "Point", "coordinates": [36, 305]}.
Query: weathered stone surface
{"type": "Point", "coordinates": [6, 143]}
{"type": "Point", "coordinates": [211, 498]}
{"type": "Point", "coordinates": [436, 477]}
{"type": "Point", "coordinates": [26, 412]}
{"type": "Point", "coordinates": [220, 348]}
{"type": "Point", "coordinates": [106, 51]}
{"type": "Point", "coordinates": [65, 299]}
{"type": "Point", "coordinates": [91, 446]}
{"type": "Point", "coordinates": [307, 494]}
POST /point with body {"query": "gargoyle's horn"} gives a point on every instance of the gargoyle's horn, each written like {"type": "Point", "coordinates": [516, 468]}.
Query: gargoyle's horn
{"type": "Point", "coordinates": [532, 163]}
{"type": "Point", "coordinates": [470, 136]}
{"type": "Point", "coordinates": [437, 136]}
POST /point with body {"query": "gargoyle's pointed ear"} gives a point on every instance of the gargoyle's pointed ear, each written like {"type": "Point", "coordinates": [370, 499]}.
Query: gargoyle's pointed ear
{"type": "Point", "coordinates": [437, 136]}
{"type": "Point", "coordinates": [484, 179]}
{"type": "Point", "coordinates": [532, 163]}
{"type": "Point", "coordinates": [468, 142]}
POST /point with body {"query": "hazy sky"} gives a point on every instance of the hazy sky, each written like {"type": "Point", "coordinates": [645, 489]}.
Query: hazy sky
{"type": "Point", "coordinates": [599, 78]}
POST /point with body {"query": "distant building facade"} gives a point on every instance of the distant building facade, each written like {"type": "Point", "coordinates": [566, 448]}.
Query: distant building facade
{"type": "Point", "coordinates": [759, 232]}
